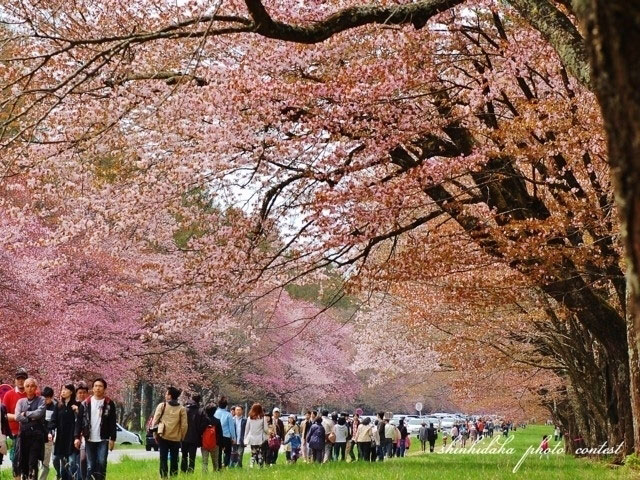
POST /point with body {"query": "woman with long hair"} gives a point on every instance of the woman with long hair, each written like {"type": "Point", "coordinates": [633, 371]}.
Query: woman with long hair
{"type": "Point", "coordinates": [63, 421]}
{"type": "Point", "coordinates": [256, 434]}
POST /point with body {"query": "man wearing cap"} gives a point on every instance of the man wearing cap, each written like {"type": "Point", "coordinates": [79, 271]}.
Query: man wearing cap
{"type": "Point", "coordinates": [278, 424]}
{"type": "Point", "coordinates": [10, 401]}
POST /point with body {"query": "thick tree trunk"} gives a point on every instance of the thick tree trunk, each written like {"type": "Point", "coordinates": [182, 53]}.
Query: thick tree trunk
{"type": "Point", "coordinates": [613, 35]}
{"type": "Point", "coordinates": [136, 424]}
{"type": "Point", "coordinates": [147, 401]}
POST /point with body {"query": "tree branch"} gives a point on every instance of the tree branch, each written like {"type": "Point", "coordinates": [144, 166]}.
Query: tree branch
{"type": "Point", "coordinates": [415, 13]}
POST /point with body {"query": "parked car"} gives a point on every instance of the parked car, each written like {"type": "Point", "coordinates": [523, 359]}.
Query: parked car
{"type": "Point", "coordinates": [150, 442]}
{"type": "Point", "coordinates": [414, 424]}
{"type": "Point", "coordinates": [125, 437]}
{"type": "Point", "coordinates": [447, 423]}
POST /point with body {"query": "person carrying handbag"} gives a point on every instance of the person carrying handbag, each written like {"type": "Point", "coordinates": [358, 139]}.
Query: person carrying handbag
{"type": "Point", "coordinates": [170, 425]}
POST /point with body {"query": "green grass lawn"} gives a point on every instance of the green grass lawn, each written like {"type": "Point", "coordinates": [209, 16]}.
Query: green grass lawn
{"type": "Point", "coordinates": [416, 465]}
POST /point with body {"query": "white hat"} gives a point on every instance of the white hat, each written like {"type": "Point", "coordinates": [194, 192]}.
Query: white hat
{"type": "Point", "coordinates": [276, 410]}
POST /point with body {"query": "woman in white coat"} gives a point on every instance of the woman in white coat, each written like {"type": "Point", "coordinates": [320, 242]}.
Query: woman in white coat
{"type": "Point", "coordinates": [256, 433]}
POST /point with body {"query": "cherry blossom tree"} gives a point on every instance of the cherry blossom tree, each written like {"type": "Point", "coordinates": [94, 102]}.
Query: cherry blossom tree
{"type": "Point", "coordinates": [240, 144]}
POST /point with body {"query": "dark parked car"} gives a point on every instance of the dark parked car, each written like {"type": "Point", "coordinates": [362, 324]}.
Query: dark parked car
{"type": "Point", "coordinates": [150, 442]}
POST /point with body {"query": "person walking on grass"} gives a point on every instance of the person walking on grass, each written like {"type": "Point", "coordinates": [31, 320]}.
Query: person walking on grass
{"type": "Point", "coordinates": [340, 446]}
{"type": "Point", "coordinates": [238, 449]}
{"type": "Point", "coordinates": [196, 423]}
{"type": "Point", "coordinates": [4, 426]}
{"type": "Point", "coordinates": [327, 424]}
{"type": "Point", "coordinates": [228, 431]}
{"type": "Point", "coordinates": [97, 424]}
{"type": "Point", "coordinates": [364, 439]}
{"type": "Point", "coordinates": [292, 441]}
{"type": "Point", "coordinates": [82, 393]}
{"type": "Point", "coordinates": [10, 400]}
{"type": "Point", "coordinates": [432, 436]}
{"type": "Point", "coordinates": [214, 453]}
{"type": "Point", "coordinates": [255, 435]}
{"type": "Point", "coordinates": [316, 439]}
{"type": "Point", "coordinates": [30, 415]}
{"type": "Point", "coordinates": [422, 436]}
{"type": "Point", "coordinates": [305, 425]}
{"type": "Point", "coordinates": [401, 439]}
{"type": "Point", "coordinates": [65, 455]}
{"type": "Point", "coordinates": [170, 425]}
{"type": "Point", "coordinates": [50, 405]}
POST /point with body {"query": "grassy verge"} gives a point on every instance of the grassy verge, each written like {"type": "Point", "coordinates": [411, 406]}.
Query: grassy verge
{"type": "Point", "coordinates": [416, 465]}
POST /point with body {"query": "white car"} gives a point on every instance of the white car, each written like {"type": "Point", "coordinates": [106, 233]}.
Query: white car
{"type": "Point", "coordinates": [125, 437]}
{"type": "Point", "coordinates": [414, 424]}
{"type": "Point", "coordinates": [447, 423]}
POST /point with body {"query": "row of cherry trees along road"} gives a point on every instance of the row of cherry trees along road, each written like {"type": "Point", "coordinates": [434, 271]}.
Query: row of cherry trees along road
{"type": "Point", "coordinates": [448, 153]}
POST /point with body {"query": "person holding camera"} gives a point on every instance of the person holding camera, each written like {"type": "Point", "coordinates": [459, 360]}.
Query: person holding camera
{"type": "Point", "coordinates": [169, 429]}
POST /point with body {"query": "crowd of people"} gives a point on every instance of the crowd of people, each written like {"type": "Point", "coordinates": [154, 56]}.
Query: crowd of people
{"type": "Point", "coordinates": [223, 434]}
{"type": "Point", "coordinates": [76, 432]}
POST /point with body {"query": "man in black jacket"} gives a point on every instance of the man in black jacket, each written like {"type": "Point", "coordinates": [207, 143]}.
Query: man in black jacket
{"type": "Point", "coordinates": [197, 422]}
{"type": "Point", "coordinates": [97, 424]}
{"type": "Point", "coordinates": [279, 427]}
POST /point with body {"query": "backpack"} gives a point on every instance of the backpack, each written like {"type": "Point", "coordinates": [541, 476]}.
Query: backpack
{"type": "Point", "coordinates": [209, 439]}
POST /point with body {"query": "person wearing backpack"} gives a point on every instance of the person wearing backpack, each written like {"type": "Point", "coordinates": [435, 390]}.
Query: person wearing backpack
{"type": "Point", "coordinates": [432, 436]}
{"type": "Point", "coordinates": [316, 438]}
{"type": "Point", "coordinates": [196, 423]}
{"type": "Point", "coordinates": [170, 425]}
{"type": "Point", "coordinates": [212, 437]}
{"type": "Point", "coordinates": [255, 434]}
{"type": "Point", "coordinates": [328, 424]}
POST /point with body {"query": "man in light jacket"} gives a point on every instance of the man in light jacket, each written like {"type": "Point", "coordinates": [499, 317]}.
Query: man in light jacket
{"type": "Point", "coordinates": [170, 423]}
{"type": "Point", "coordinates": [228, 431]}
{"type": "Point", "coordinates": [240, 426]}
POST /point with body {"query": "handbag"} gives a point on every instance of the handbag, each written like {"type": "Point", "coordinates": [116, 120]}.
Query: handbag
{"type": "Point", "coordinates": [160, 426]}
{"type": "Point", "coordinates": [332, 437]}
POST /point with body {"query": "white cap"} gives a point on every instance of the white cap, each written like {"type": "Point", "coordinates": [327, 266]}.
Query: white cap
{"type": "Point", "coordinates": [276, 410]}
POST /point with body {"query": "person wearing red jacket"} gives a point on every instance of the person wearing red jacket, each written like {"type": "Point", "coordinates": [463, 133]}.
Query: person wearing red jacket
{"type": "Point", "coordinates": [10, 400]}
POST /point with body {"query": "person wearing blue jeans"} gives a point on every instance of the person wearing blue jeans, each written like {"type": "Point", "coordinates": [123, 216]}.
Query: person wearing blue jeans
{"type": "Point", "coordinates": [97, 459]}
{"type": "Point", "coordinates": [96, 422]}
{"type": "Point", "coordinates": [67, 466]}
